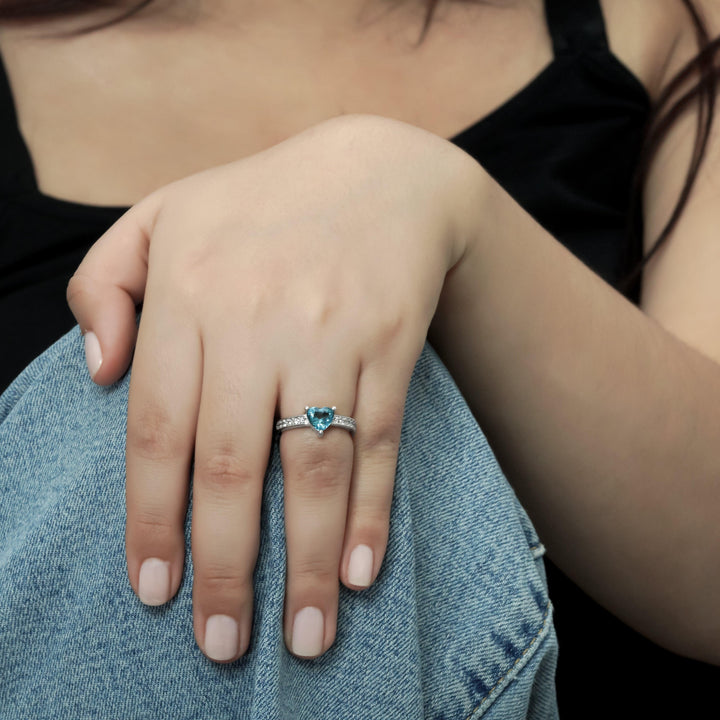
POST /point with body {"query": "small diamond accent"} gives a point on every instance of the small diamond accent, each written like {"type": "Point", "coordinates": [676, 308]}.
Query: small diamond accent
{"type": "Point", "coordinates": [318, 418]}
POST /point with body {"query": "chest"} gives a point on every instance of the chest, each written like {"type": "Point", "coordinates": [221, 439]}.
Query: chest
{"type": "Point", "coordinates": [110, 116]}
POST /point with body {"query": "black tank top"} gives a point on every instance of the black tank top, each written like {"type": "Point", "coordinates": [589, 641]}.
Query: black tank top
{"type": "Point", "coordinates": [565, 147]}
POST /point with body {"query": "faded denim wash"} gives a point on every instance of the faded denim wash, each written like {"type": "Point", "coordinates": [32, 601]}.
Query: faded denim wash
{"type": "Point", "coordinates": [458, 625]}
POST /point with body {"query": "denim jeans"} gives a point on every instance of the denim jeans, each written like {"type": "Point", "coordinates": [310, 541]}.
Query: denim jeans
{"type": "Point", "coordinates": [457, 626]}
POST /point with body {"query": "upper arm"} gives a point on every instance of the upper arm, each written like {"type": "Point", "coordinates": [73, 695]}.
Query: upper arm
{"type": "Point", "coordinates": [681, 284]}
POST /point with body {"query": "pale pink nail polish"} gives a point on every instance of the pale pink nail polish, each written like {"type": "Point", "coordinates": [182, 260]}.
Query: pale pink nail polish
{"type": "Point", "coordinates": [360, 566]}
{"type": "Point", "coordinates": [308, 632]}
{"type": "Point", "coordinates": [154, 582]}
{"type": "Point", "coordinates": [221, 638]}
{"type": "Point", "coordinates": [93, 354]}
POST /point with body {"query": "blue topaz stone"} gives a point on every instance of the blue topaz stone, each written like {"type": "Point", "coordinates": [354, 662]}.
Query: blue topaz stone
{"type": "Point", "coordinates": [320, 418]}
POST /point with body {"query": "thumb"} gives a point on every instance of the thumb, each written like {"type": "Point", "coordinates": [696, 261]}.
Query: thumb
{"type": "Point", "coordinates": [106, 288]}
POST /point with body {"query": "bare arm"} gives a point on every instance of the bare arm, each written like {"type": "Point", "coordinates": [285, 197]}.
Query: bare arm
{"type": "Point", "coordinates": [606, 422]}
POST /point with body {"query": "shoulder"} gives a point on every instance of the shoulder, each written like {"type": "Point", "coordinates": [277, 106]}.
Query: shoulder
{"type": "Point", "coordinates": [656, 38]}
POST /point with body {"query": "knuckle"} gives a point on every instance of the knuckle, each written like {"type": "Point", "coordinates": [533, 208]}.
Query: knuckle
{"type": "Point", "coordinates": [386, 331]}
{"type": "Point", "coordinates": [225, 471]}
{"type": "Point", "coordinates": [150, 435]}
{"type": "Point", "coordinates": [322, 312]}
{"type": "Point", "coordinates": [381, 437]}
{"type": "Point", "coordinates": [222, 581]}
{"type": "Point", "coordinates": [77, 287]}
{"type": "Point", "coordinates": [318, 312]}
{"type": "Point", "coordinates": [189, 282]}
{"type": "Point", "coordinates": [372, 516]}
{"type": "Point", "coordinates": [316, 473]}
{"type": "Point", "coordinates": [255, 306]}
{"type": "Point", "coordinates": [391, 329]}
{"type": "Point", "coordinates": [315, 571]}
{"type": "Point", "coordinates": [151, 525]}
{"type": "Point", "coordinates": [370, 507]}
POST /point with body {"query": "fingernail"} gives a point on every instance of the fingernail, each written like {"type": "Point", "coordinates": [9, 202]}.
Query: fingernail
{"type": "Point", "coordinates": [221, 638]}
{"type": "Point", "coordinates": [154, 582]}
{"type": "Point", "coordinates": [360, 566]}
{"type": "Point", "coordinates": [93, 355]}
{"type": "Point", "coordinates": [308, 632]}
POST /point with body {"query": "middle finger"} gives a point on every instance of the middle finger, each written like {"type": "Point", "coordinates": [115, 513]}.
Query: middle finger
{"type": "Point", "coordinates": [232, 447]}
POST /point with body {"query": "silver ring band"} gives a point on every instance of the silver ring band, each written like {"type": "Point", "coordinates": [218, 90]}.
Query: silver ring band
{"type": "Point", "coordinates": [319, 419]}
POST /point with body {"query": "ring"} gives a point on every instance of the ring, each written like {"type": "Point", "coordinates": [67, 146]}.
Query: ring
{"type": "Point", "coordinates": [318, 418]}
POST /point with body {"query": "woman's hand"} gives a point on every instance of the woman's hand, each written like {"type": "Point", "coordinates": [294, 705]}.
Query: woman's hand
{"type": "Point", "coordinates": [305, 275]}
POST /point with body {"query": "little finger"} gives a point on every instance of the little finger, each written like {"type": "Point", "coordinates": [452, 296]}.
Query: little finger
{"type": "Point", "coordinates": [162, 411]}
{"type": "Point", "coordinates": [379, 409]}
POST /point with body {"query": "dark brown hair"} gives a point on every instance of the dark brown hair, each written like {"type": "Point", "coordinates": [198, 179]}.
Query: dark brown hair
{"type": "Point", "coordinates": [27, 11]}
{"type": "Point", "coordinates": [695, 85]}
{"type": "Point", "coordinates": [676, 98]}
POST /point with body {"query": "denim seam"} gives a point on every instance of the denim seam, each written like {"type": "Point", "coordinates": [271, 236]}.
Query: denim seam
{"type": "Point", "coordinates": [479, 709]}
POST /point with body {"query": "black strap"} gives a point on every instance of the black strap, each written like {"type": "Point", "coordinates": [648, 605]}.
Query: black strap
{"type": "Point", "coordinates": [16, 168]}
{"type": "Point", "coordinates": [576, 25]}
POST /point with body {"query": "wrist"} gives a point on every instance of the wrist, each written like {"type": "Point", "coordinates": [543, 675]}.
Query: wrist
{"type": "Point", "coordinates": [449, 178]}
{"type": "Point", "coordinates": [471, 211]}
{"type": "Point", "coordinates": [471, 218]}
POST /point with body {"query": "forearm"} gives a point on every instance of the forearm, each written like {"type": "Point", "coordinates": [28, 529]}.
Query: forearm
{"type": "Point", "coordinates": [606, 425]}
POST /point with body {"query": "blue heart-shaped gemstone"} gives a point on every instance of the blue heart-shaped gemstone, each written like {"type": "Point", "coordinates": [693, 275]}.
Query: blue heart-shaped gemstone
{"type": "Point", "coordinates": [320, 418]}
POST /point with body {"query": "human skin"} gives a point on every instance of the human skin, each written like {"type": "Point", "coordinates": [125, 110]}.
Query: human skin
{"type": "Point", "coordinates": [261, 285]}
{"type": "Point", "coordinates": [580, 374]}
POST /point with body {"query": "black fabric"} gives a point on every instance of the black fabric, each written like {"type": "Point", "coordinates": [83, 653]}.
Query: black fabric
{"type": "Point", "coordinates": [576, 26]}
{"type": "Point", "coordinates": [42, 241]}
{"type": "Point", "coordinates": [565, 147]}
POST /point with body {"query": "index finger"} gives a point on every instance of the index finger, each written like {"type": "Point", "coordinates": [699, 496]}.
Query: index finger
{"type": "Point", "coordinates": [162, 412]}
{"type": "Point", "coordinates": [107, 286]}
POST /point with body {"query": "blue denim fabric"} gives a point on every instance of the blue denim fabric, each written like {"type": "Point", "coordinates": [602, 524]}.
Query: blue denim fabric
{"type": "Point", "coordinates": [458, 625]}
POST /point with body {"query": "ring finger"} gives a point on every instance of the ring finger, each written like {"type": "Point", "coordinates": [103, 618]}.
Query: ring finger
{"type": "Point", "coordinates": [317, 470]}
